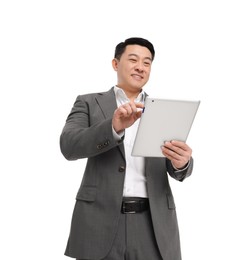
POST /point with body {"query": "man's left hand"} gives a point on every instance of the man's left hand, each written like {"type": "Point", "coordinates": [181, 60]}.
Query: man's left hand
{"type": "Point", "coordinates": [179, 153]}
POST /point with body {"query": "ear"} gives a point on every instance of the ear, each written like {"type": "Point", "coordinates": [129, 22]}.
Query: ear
{"type": "Point", "coordinates": [115, 64]}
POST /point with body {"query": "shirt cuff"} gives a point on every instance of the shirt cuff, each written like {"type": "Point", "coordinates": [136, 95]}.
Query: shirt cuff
{"type": "Point", "coordinates": [182, 169]}
{"type": "Point", "coordinates": [117, 136]}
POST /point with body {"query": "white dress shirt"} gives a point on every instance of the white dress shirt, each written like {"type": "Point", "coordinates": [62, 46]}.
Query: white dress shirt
{"type": "Point", "coordinates": [135, 179]}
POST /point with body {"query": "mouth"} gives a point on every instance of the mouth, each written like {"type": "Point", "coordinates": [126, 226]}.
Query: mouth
{"type": "Point", "coordinates": [137, 77]}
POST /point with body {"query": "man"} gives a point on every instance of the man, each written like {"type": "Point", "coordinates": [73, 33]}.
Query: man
{"type": "Point", "coordinates": [124, 207]}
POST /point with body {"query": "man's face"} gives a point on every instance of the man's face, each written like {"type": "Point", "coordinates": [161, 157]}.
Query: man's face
{"type": "Point", "coordinates": [133, 68]}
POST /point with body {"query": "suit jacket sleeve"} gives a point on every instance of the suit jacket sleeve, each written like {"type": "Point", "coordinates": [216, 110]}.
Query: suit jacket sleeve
{"type": "Point", "coordinates": [87, 131]}
{"type": "Point", "coordinates": [180, 175]}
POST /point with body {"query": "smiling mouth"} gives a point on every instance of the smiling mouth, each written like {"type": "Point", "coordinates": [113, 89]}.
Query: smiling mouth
{"type": "Point", "coordinates": [136, 76]}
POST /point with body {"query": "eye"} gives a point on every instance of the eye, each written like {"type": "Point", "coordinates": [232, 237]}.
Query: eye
{"type": "Point", "coordinates": [132, 60]}
{"type": "Point", "coordinates": [147, 64]}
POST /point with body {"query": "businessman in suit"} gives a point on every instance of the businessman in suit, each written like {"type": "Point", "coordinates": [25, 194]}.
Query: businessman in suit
{"type": "Point", "coordinates": [124, 207]}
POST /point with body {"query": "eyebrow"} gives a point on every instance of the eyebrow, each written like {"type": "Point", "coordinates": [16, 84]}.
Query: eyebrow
{"type": "Point", "coordinates": [146, 58]}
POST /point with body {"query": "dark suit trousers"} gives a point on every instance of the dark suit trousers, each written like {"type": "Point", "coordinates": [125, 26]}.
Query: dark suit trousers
{"type": "Point", "coordinates": [135, 239]}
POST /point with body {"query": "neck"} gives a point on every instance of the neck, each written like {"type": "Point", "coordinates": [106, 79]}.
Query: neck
{"type": "Point", "coordinates": [131, 94]}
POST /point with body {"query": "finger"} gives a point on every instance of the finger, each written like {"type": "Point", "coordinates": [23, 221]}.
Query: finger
{"type": "Point", "coordinates": [176, 153]}
{"type": "Point", "coordinates": [171, 154]}
{"type": "Point", "coordinates": [173, 148]}
{"type": "Point", "coordinates": [132, 107]}
{"type": "Point", "coordinates": [177, 161]}
{"type": "Point", "coordinates": [129, 108]}
{"type": "Point", "coordinates": [139, 105]}
{"type": "Point", "coordinates": [122, 111]}
{"type": "Point", "coordinates": [180, 144]}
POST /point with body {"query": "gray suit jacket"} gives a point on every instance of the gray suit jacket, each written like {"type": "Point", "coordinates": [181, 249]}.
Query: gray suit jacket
{"type": "Point", "coordinates": [88, 134]}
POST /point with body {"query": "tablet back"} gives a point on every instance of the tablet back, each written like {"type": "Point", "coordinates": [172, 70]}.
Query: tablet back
{"type": "Point", "coordinates": [163, 120]}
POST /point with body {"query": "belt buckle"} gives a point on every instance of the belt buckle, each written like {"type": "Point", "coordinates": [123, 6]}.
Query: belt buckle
{"type": "Point", "coordinates": [124, 207]}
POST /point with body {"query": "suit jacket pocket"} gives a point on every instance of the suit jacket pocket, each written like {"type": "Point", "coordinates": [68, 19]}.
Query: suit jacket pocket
{"type": "Point", "coordinates": [171, 204]}
{"type": "Point", "coordinates": [87, 193]}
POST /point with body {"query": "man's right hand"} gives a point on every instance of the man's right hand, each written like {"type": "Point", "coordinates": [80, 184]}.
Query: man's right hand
{"type": "Point", "coordinates": [125, 115]}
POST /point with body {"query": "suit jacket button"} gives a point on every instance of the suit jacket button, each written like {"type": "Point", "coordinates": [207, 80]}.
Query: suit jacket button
{"type": "Point", "coordinates": [99, 146]}
{"type": "Point", "coordinates": [122, 169]}
{"type": "Point", "coordinates": [106, 143]}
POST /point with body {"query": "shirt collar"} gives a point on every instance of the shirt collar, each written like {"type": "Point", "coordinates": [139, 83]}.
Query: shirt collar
{"type": "Point", "coordinates": [120, 94]}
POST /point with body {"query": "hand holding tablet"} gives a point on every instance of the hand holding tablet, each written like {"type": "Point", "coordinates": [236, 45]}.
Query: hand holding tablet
{"type": "Point", "coordinates": [163, 120]}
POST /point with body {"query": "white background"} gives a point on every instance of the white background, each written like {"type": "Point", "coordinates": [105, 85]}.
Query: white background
{"type": "Point", "coordinates": [51, 51]}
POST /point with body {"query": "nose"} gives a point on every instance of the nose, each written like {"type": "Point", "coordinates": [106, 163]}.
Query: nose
{"type": "Point", "coordinates": [139, 66]}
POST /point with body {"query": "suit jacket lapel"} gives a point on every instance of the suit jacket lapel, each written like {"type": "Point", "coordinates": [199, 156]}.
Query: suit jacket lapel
{"type": "Point", "coordinates": [107, 103]}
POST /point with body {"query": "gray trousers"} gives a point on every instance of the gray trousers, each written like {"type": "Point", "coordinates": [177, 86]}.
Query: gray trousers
{"type": "Point", "coordinates": [135, 239]}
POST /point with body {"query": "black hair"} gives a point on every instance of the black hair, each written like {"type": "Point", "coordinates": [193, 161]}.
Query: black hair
{"type": "Point", "coordinates": [120, 48]}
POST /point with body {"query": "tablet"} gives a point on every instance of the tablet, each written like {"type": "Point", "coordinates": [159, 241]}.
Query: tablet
{"type": "Point", "coordinates": [163, 120]}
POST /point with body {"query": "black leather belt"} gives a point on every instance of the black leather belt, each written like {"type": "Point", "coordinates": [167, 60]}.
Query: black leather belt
{"type": "Point", "coordinates": [134, 205]}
